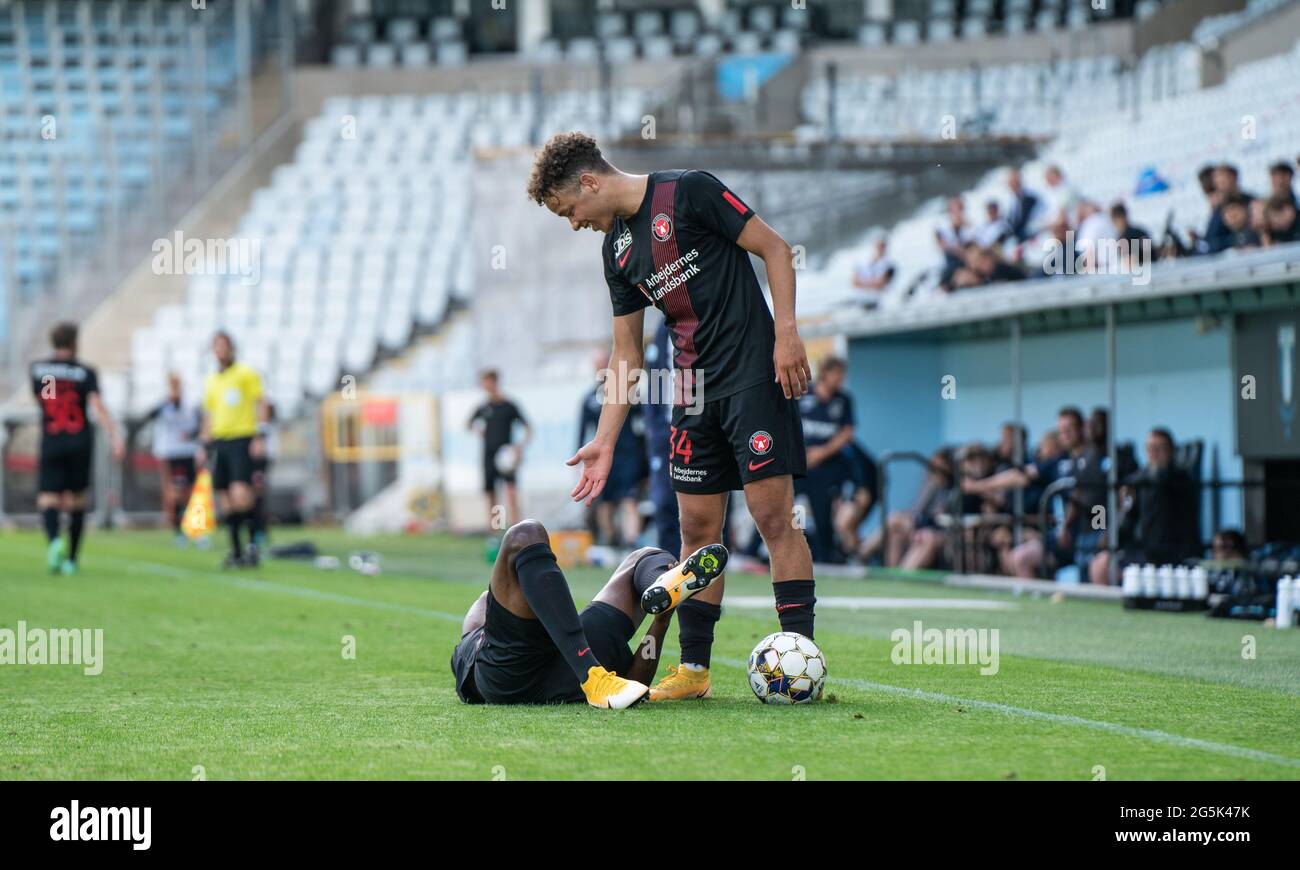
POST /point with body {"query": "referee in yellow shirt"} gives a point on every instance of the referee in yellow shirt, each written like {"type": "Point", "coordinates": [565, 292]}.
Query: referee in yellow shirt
{"type": "Point", "coordinates": [233, 406]}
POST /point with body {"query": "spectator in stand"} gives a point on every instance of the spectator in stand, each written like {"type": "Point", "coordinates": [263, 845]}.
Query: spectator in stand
{"type": "Point", "coordinates": [1046, 248]}
{"type": "Point", "coordinates": [1088, 501]}
{"type": "Point", "coordinates": [925, 545]}
{"type": "Point", "coordinates": [1004, 455]}
{"type": "Point", "coordinates": [1003, 540]}
{"type": "Point", "coordinates": [1280, 176]}
{"type": "Point", "coordinates": [952, 236]}
{"type": "Point", "coordinates": [989, 267]}
{"type": "Point", "coordinates": [859, 495]}
{"type": "Point", "coordinates": [1229, 545]}
{"type": "Point", "coordinates": [1027, 559]}
{"type": "Point", "coordinates": [931, 501]}
{"type": "Point", "coordinates": [1135, 236]}
{"type": "Point", "coordinates": [995, 230]}
{"type": "Point", "coordinates": [1279, 224]}
{"type": "Point", "coordinates": [1235, 226]}
{"type": "Point", "coordinates": [1156, 504]}
{"type": "Point", "coordinates": [1094, 229]}
{"type": "Point", "coordinates": [1021, 209]}
{"type": "Point", "coordinates": [1218, 234]}
{"type": "Point", "coordinates": [1060, 196]}
{"type": "Point", "coordinates": [827, 413]}
{"type": "Point", "coordinates": [964, 275]}
{"type": "Point", "coordinates": [875, 273]}
{"type": "Point", "coordinates": [1205, 177]}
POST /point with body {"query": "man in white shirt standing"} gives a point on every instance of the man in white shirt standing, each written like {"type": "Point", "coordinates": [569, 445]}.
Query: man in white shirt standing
{"type": "Point", "coordinates": [175, 428]}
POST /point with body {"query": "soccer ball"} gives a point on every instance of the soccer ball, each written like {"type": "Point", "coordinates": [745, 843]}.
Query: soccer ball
{"type": "Point", "coordinates": [787, 668]}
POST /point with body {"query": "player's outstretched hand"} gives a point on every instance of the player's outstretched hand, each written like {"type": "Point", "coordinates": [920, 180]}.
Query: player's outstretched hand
{"type": "Point", "coordinates": [791, 361]}
{"type": "Point", "coordinates": [596, 459]}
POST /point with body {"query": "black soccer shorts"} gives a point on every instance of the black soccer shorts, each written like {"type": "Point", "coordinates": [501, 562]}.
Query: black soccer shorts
{"type": "Point", "coordinates": [65, 467]}
{"type": "Point", "coordinates": [750, 435]}
{"type": "Point", "coordinates": [232, 462]}
{"type": "Point", "coordinates": [515, 661]}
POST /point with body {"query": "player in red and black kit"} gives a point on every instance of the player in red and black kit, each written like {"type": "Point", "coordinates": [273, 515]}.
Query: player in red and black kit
{"type": "Point", "coordinates": [681, 241]}
{"type": "Point", "coordinates": [66, 390]}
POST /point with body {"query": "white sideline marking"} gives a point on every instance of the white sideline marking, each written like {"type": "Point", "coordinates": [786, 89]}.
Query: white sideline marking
{"type": "Point", "coordinates": [850, 602]}
{"type": "Point", "coordinates": [1151, 734]}
{"type": "Point", "coordinates": [289, 589]}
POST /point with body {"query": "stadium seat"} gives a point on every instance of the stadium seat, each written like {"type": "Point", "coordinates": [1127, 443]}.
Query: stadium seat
{"type": "Point", "coordinates": [360, 253]}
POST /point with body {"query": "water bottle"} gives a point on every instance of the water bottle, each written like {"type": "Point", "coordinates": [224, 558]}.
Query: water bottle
{"type": "Point", "coordinates": [1148, 580]}
{"type": "Point", "coordinates": [1285, 602]}
{"type": "Point", "coordinates": [1182, 582]}
{"type": "Point", "coordinates": [1132, 582]}
{"type": "Point", "coordinates": [1165, 581]}
{"type": "Point", "coordinates": [1200, 583]}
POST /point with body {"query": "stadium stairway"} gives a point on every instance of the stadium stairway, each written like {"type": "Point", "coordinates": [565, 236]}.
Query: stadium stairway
{"type": "Point", "coordinates": [134, 302]}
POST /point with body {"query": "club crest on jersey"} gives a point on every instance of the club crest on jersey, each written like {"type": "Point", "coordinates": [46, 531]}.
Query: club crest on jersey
{"type": "Point", "coordinates": [760, 443]}
{"type": "Point", "coordinates": [662, 227]}
{"type": "Point", "coordinates": [622, 243]}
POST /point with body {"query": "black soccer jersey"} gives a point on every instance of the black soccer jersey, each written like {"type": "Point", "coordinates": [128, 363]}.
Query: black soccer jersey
{"type": "Point", "coordinates": [498, 420]}
{"type": "Point", "coordinates": [679, 253]}
{"type": "Point", "coordinates": [822, 421]}
{"type": "Point", "coordinates": [62, 388]}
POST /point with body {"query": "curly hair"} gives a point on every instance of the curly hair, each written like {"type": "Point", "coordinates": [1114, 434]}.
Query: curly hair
{"type": "Point", "coordinates": [562, 159]}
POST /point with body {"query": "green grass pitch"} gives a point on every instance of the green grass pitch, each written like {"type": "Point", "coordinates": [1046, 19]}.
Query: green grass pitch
{"type": "Point", "coordinates": [242, 675]}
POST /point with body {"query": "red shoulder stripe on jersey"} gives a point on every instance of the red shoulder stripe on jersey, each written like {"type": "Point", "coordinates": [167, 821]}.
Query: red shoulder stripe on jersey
{"type": "Point", "coordinates": [677, 304]}
{"type": "Point", "coordinates": [735, 203]}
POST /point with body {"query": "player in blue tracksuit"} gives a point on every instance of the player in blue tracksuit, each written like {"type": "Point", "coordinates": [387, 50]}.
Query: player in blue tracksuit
{"type": "Point", "coordinates": [827, 413]}
{"type": "Point", "coordinates": [658, 416]}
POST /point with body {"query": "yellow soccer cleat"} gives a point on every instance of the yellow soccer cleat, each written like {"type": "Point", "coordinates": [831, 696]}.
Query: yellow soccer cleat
{"type": "Point", "coordinates": [609, 691]}
{"type": "Point", "coordinates": [678, 583]}
{"type": "Point", "coordinates": [683, 684]}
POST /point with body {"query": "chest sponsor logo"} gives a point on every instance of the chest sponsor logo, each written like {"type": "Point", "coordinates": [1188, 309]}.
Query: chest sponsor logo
{"type": "Point", "coordinates": [622, 246]}
{"type": "Point", "coordinates": [659, 284]}
{"type": "Point", "coordinates": [662, 227]}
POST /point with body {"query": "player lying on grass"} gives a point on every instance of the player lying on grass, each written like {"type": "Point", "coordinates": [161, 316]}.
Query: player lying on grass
{"type": "Point", "coordinates": [524, 642]}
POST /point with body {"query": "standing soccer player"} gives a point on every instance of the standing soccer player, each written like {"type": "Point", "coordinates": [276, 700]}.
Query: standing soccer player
{"type": "Point", "coordinates": [66, 389]}
{"type": "Point", "coordinates": [495, 420]}
{"type": "Point", "coordinates": [233, 407]}
{"type": "Point", "coordinates": [175, 434]}
{"type": "Point", "coordinates": [680, 240]}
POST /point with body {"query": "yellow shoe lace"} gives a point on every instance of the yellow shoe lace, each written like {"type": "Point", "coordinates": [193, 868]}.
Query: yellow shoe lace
{"type": "Point", "coordinates": [606, 682]}
{"type": "Point", "coordinates": [680, 674]}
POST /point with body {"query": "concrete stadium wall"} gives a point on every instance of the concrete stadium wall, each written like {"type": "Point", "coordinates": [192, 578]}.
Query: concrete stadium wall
{"type": "Point", "coordinates": [1272, 34]}
{"type": "Point", "coordinates": [1169, 374]}
{"type": "Point", "coordinates": [312, 84]}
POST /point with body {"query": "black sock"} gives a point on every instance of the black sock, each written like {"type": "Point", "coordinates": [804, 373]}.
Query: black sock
{"type": "Point", "coordinates": [257, 518]}
{"type": "Point", "coordinates": [647, 570]}
{"type": "Point", "coordinates": [548, 596]}
{"type": "Point", "coordinates": [233, 519]}
{"type": "Point", "coordinates": [695, 621]}
{"type": "Point", "coordinates": [50, 516]}
{"type": "Point", "coordinates": [794, 605]}
{"type": "Point", "coordinates": [76, 522]}
{"type": "Point", "coordinates": [178, 517]}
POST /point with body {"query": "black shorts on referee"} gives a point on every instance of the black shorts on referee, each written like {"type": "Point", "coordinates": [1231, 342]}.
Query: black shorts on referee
{"type": "Point", "coordinates": [232, 462]}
